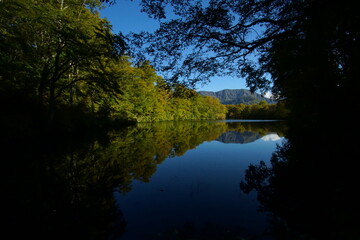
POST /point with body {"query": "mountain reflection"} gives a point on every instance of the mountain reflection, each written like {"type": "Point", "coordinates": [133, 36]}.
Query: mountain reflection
{"type": "Point", "coordinates": [60, 190]}
{"type": "Point", "coordinates": [245, 137]}
{"type": "Point", "coordinates": [238, 137]}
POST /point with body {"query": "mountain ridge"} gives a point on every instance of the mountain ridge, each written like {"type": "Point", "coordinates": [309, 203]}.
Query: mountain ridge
{"type": "Point", "coordinates": [236, 96]}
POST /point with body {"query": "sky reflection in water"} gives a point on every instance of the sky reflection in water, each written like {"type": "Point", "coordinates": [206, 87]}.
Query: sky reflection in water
{"type": "Point", "coordinates": [198, 189]}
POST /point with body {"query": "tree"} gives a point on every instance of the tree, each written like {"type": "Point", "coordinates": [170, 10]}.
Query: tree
{"type": "Point", "coordinates": [49, 49]}
{"type": "Point", "coordinates": [307, 50]}
{"type": "Point", "coordinates": [219, 35]}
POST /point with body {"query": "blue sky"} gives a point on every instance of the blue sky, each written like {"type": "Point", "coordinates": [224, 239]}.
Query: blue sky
{"type": "Point", "coordinates": [125, 16]}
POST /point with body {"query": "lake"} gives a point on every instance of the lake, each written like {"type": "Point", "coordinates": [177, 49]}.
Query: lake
{"type": "Point", "coordinates": [194, 191]}
{"type": "Point", "coordinates": [168, 180]}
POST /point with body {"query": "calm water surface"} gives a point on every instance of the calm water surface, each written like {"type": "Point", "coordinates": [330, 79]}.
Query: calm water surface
{"type": "Point", "coordinates": [170, 180]}
{"type": "Point", "coordinates": [199, 180]}
{"type": "Point", "coordinates": [195, 190]}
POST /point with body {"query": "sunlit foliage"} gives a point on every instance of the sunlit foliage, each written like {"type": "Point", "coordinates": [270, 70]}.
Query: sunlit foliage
{"type": "Point", "coordinates": [60, 63]}
{"type": "Point", "coordinates": [262, 110]}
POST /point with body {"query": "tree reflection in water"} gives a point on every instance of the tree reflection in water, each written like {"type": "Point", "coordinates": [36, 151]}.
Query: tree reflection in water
{"type": "Point", "coordinates": [62, 188]}
{"type": "Point", "coordinates": [309, 188]}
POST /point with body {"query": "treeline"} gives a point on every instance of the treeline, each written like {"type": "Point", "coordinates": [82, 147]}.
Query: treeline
{"type": "Point", "coordinates": [60, 63]}
{"type": "Point", "coordinates": [262, 110]}
{"type": "Point", "coordinates": [150, 99]}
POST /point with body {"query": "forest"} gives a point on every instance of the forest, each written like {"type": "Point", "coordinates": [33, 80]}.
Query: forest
{"type": "Point", "coordinates": [262, 110]}
{"type": "Point", "coordinates": [61, 65]}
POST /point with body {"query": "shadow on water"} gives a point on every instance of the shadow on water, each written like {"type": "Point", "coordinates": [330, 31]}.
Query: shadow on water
{"type": "Point", "coordinates": [62, 188]}
{"type": "Point", "coordinates": [309, 187]}
{"type": "Point", "coordinates": [54, 190]}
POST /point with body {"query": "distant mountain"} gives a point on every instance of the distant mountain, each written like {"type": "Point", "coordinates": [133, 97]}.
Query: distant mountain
{"type": "Point", "coordinates": [236, 96]}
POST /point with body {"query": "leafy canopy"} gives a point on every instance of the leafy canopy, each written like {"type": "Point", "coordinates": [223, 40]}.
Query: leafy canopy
{"type": "Point", "coordinates": [268, 42]}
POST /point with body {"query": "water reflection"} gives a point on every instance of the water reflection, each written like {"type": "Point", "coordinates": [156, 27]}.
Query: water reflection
{"type": "Point", "coordinates": [271, 137]}
{"type": "Point", "coordinates": [308, 186]}
{"type": "Point", "coordinates": [238, 137]}
{"type": "Point", "coordinates": [197, 190]}
{"type": "Point", "coordinates": [65, 190]}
